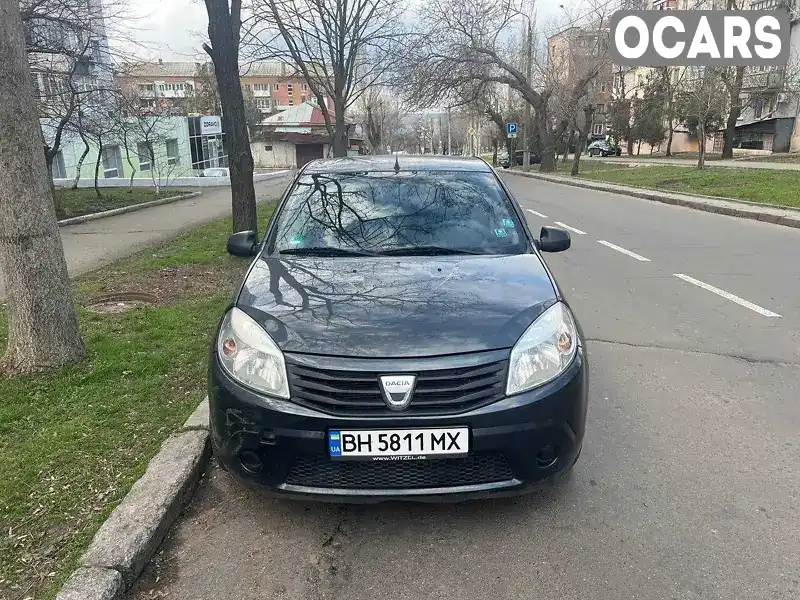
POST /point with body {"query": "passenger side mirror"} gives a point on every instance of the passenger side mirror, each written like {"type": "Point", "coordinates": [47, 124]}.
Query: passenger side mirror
{"type": "Point", "coordinates": [243, 243]}
{"type": "Point", "coordinates": [554, 239]}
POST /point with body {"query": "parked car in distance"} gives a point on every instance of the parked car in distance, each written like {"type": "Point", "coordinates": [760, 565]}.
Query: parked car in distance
{"type": "Point", "coordinates": [398, 336]}
{"type": "Point", "coordinates": [216, 172]}
{"type": "Point", "coordinates": [519, 157]}
{"type": "Point", "coordinates": [603, 148]}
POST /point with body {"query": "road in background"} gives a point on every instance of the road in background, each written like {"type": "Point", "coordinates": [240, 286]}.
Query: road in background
{"type": "Point", "coordinates": [91, 245]}
{"type": "Point", "coordinates": [687, 488]}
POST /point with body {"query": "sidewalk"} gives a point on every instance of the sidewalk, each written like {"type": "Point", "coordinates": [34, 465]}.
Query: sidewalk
{"type": "Point", "coordinates": [91, 245]}
{"type": "Point", "coordinates": [735, 208]}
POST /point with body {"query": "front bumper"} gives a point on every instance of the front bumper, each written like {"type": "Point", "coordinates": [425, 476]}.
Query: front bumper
{"type": "Point", "coordinates": [282, 446]}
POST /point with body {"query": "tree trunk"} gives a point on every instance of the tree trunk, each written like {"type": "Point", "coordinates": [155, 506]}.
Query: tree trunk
{"type": "Point", "coordinates": [97, 166]}
{"type": "Point", "coordinates": [735, 111]}
{"type": "Point", "coordinates": [581, 140]}
{"type": "Point", "coordinates": [629, 142]}
{"type": "Point", "coordinates": [638, 147]}
{"type": "Point", "coordinates": [546, 139]}
{"type": "Point", "coordinates": [43, 331]}
{"type": "Point", "coordinates": [223, 32]}
{"type": "Point", "coordinates": [341, 141]}
{"type": "Point", "coordinates": [671, 131]}
{"type": "Point", "coordinates": [79, 166]}
{"type": "Point", "coordinates": [569, 143]}
{"type": "Point", "coordinates": [701, 145]}
{"type": "Point", "coordinates": [494, 152]}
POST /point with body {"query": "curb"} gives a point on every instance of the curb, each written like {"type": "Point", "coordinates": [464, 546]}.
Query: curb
{"type": "Point", "coordinates": [129, 538]}
{"type": "Point", "coordinates": [125, 209]}
{"type": "Point", "coordinates": [722, 206]}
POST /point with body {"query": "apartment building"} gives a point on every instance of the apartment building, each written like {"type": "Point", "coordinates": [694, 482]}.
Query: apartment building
{"type": "Point", "coordinates": [571, 54]}
{"type": "Point", "coordinates": [275, 86]}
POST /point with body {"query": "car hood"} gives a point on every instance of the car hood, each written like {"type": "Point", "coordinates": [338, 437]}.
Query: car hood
{"type": "Point", "coordinates": [392, 308]}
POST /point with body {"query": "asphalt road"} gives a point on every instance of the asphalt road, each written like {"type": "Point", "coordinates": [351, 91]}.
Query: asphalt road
{"type": "Point", "coordinates": [688, 484]}
{"type": "Point", "coordinates": [91, 245]}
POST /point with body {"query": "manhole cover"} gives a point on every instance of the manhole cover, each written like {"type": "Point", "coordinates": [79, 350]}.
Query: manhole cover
{"type": "Point", "coordinates": [120, 302]}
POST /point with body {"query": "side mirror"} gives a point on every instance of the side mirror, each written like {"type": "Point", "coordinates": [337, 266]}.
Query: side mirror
{"type": "Point", "coordinates": [554, 239]}
{"type": "Point", "coordinates": [243, 243]}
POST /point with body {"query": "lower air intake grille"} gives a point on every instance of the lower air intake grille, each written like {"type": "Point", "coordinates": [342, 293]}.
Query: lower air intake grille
{"type": "Point", "coordinates": [321, 471]}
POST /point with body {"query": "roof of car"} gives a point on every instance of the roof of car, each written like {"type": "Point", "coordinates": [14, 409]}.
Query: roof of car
{"type": "Point", "coordinates": [407, 162]}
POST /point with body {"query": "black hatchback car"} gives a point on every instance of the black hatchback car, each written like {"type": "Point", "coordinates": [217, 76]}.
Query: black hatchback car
{"type": "Point", "coordinates": [398, 335]}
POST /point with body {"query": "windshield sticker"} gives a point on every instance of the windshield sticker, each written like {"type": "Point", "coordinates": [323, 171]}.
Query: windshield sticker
{"type": "Point", "coordinates": [508, 223]}
{"type": "Point", "coordinates": [501, 233]}
{"type": "Point", "coordinates": [296, 239]}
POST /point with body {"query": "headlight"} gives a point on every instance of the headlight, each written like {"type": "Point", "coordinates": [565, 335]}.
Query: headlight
{"type": "Point", "coordinates": [544, 351]}
{"type": "Point", "coordinates": [250, 356]}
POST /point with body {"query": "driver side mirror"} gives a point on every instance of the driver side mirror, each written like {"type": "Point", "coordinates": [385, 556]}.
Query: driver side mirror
{"type": "Point", "coordinates": [243, 243]}
{"type": "Point", "coordinates": [554, 239]}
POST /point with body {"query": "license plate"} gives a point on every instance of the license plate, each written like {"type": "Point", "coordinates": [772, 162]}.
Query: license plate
{"type": "Point", "coordinates": [399, 444]}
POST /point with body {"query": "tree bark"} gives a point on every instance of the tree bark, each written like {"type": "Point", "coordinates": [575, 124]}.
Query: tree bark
{"type": "Point", "coordinates": [341, 141]}
{"type": "Point", "coordinates": [735, 110]}
{"type": "Point", "coordinates": [97, 166]}
{"type": "Point", "coordinates": [701, 145]}
{"type": "Point", "coordinates": [579, 143]}
{"type": "Point", "coordinates": [224, 25]}
{"type": "Point", "coordinates": [546, 139]}
{"type": "Point", "coordinates": [79, 166]}
{"type": "Point", "coordinates": [570, 139]}
{"type": "Point", "coordinates": [671, 131]}
{"type": "Point", "coordinates": [43, 331]}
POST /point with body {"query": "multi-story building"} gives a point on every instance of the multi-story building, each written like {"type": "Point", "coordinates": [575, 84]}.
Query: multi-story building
{"type": "Point", "coordinates": [573, 53]}
{"type": "Point", "coordinates": [275, 86]}
{"type": "Point", "coordinates": [71, 66]}
{"type": "Point", "coordinates": [173, 83]}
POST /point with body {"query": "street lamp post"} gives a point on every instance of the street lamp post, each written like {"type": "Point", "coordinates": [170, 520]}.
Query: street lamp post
{"type": "Point", "coordinates": [526, 153]}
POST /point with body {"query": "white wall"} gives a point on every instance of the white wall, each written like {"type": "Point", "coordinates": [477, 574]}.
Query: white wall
{"type": "Point", "coordinates": [281, 155]}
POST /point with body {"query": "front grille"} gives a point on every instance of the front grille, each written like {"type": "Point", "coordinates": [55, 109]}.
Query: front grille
{"type": "Point", "coordinates": [322, 472]}
{"type": "Point", "coordinates": [357, 393]}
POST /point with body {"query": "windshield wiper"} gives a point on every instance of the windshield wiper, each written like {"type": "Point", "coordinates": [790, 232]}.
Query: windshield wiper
{"type": "Point", "coordinates": [323, 251]}
{"type": "Point", "coordinates": [426, 251]}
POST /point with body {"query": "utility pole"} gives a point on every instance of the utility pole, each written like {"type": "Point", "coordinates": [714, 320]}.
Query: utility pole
{"type": "Point", "coordinates": [526, 154]}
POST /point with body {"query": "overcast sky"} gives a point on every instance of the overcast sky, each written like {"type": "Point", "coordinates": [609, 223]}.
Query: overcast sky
{"type": "Point", "coordinates": [175, 29]}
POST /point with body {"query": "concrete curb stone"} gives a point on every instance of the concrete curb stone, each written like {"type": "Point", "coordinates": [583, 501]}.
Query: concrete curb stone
{"type": "Point", "coordinates": [92, 584]}
{"type": "Point", "coordinates": [130, 536]}
{"type": "Point", "coordinates": [125, 209]}
{"type": "Point", "coordinates": [724, 206]}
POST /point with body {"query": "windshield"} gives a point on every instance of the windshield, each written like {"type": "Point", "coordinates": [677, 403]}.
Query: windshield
{"type": "Point", "coordinates": [408, 213]}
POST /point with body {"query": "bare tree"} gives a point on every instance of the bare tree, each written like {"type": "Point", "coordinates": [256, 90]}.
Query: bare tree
{"type": "Point", "coordinates": [341, 48]}
{"type": "Point", "coordinates": [468, 40]}
{"type": "Point", "coordinates": [702, 105]}
{"type": "Point", "coordinates": [42, 328]}
{"type": "Point", "coordinates": [70, 60]}
{"type": "Point", "coordinates": [224, 33]}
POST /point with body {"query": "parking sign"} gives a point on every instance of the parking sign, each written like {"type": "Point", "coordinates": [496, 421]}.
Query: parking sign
{"type": "Point", "coordinates": [511, 130]}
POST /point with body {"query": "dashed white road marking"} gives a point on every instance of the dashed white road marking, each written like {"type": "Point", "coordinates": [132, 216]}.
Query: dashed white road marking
{"type": "Point", "coordinates": [728, 296]}
{"type": "Point", "coordinates": [538, 214]}
{"type": "Point", "coordinates": [578, 231]}
{"type": "Point", "coordinates": [638, 257]}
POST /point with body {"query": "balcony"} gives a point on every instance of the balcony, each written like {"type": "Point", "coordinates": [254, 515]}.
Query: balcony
{"type": "Point", "coordinates": [764, 80]}
{"type": "Point", "coordinates": [262, 93]}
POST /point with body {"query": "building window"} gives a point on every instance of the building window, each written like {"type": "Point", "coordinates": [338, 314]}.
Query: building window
{"type": "Point", "coordinates": [602, 87]}
{"type": "Point", "coordinates": [276, 87]}
{"type": "Point", "coordinates": [260, 87]}
{"type": "Point", "coordinates": [268, 148]}
{"type": "Point", "coordinates": [304, 86]}
{"type": "Point", "coordinates": [289, 89]}
{"type": "Point", "coordinates": [274, 104]}
{"type": "Point", "coordinates": [59, 170]}
{"type": "Point", "coordinates": [144, 156]}
{"type": "Point", "coordinates": [112, 162]}
{"type": "Point", "coordinates": [597, 129]}
{"type": "Point", "coordinates": [172, 152]}
{"type": "Point", "coordinates": [291, 101]}
{"type": "Point", "coordinates": [601, 108]}
{"type": "Point", "coordinates": [263, 104]}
